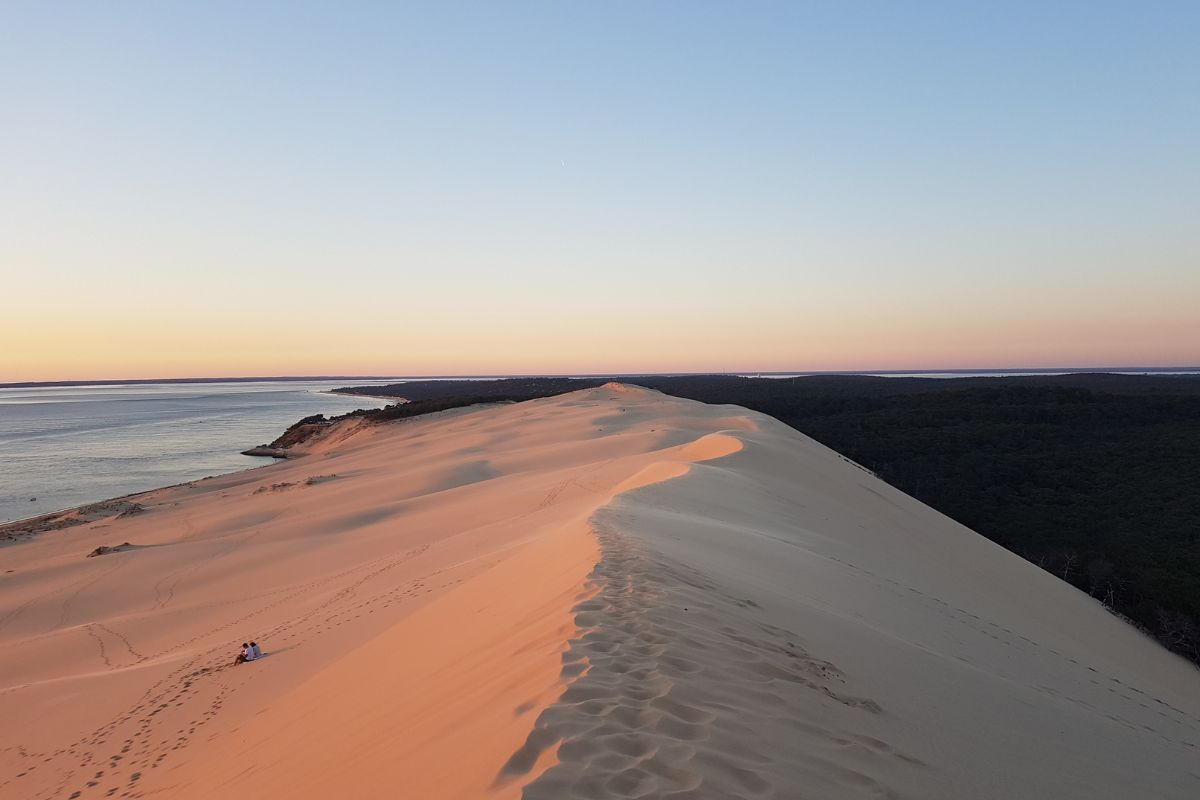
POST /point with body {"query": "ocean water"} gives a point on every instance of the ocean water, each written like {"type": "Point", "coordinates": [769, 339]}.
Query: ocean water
{"type": "Point", "coordinates": [64, 446]}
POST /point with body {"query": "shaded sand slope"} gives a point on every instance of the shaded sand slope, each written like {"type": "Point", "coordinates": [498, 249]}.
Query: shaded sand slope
{"type": "Point", "coordinates": [606, 594]}
{"type": "Point", "coordinates": [411, 583]}
{"type": "Point", "coordinates": [780, 623]}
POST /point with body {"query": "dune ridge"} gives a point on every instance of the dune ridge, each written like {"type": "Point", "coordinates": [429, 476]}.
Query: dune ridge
{"type": "Point", "coordinates": [606, 594]}
{"type": "Point", "coordinates": [780, 623]}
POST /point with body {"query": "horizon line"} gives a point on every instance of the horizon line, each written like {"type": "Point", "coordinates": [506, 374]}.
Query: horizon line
{"type": "Point", "coordinates": [499, 376]}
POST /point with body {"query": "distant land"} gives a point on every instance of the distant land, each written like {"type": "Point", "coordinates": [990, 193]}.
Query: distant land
{"type": "Point", "coordinates": [748, 372]}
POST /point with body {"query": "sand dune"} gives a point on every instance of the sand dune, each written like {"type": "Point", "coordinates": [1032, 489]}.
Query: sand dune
{"type": "Point", "coordinates": [611, 593]}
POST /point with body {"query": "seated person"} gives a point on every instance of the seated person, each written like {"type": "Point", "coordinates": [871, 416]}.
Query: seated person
{"type": "Point", "coordinates": [243, 656]}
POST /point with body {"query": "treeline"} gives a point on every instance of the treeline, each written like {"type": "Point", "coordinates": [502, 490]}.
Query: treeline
{"type": "Point", "coordinates": [523, 388]}
{"type": "Point", "coordinates": [307, 427]}
{"type": "Point", "coordinates": [808, 385]}
{"type": "Point", "coordinates": [1095, 478]}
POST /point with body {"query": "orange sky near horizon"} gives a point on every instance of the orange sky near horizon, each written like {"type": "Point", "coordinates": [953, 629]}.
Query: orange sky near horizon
{"type": "Point", "coordinates": [100, 342]}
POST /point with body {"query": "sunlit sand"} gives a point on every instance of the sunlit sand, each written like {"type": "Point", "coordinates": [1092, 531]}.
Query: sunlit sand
{"type": "Point", "coordinates": [611, 593]}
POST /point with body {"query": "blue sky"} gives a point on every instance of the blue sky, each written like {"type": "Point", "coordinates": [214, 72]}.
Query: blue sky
{"type": "Point", "coordinates": [755, 186]}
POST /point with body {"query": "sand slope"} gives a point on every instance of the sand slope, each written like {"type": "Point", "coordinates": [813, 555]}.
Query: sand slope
{"type": "Point", "coordinates": [610, 593]}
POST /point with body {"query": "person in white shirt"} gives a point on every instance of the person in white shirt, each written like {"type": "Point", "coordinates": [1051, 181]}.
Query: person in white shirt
{"type": "Point", "coordinates": [255, 651]}
{"type": "Point", "coordinates": [243, 656]}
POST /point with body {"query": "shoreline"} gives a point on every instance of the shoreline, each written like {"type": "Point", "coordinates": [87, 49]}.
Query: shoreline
{"type": "Point", "coordinates": [7, 527]}
{"type": "Point", "coordinates": [121, 493]}
{"type": "Point", "coordinates": [271, 456]}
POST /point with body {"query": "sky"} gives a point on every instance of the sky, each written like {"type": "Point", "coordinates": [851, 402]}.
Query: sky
{"type": "Point", "coordinates": [203, 189]}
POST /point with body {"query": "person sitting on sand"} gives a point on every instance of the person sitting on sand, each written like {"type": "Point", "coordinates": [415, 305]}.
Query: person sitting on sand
{"type": "Point", "coordinates": [243, 656]}
{"type": "Point", "coordinates": [255, 651]}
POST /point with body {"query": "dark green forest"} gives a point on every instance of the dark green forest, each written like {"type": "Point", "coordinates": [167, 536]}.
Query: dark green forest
{"type": "Point", "coordinates": [1095, 478]}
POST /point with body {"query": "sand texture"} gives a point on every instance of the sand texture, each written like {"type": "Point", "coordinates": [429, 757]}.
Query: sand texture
{"type": "Point", "coordinates": [607, 594]}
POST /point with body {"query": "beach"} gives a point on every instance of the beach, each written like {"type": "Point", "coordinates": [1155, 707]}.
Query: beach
{"type": "Point", "coordinates": [610, 593]}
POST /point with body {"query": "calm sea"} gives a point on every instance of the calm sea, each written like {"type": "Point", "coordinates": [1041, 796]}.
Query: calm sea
{"type": "Point", "coordinates": [64, 446]}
